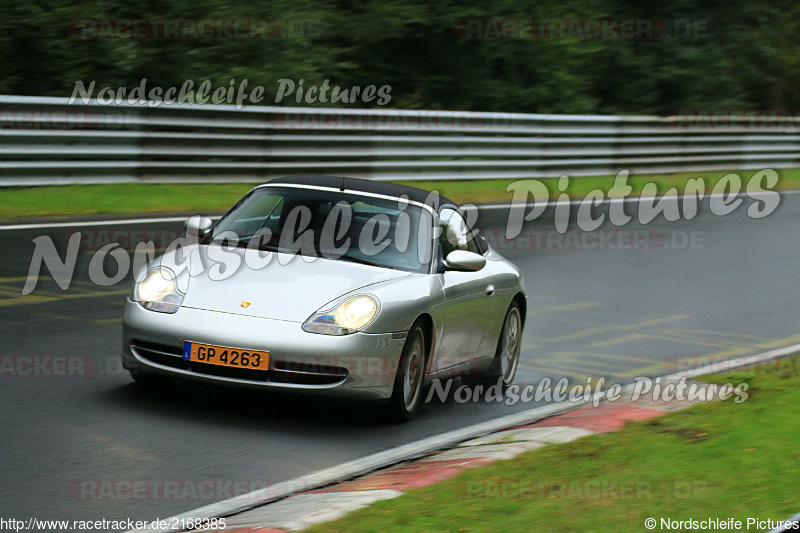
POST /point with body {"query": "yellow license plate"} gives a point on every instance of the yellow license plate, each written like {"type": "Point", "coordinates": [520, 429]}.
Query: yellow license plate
{"type": "Point", "coordinates": [224, 356]}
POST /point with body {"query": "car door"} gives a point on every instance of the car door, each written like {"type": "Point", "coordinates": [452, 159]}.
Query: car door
{"type": "Point", "coordinates": [467, 299]}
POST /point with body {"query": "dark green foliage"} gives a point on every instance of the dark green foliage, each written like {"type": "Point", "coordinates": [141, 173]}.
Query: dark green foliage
{"type": "Point", "coordinates": [744, 54]}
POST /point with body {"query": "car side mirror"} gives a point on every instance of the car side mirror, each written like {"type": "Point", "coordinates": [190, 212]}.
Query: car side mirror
{"type": "Point", "coordinates": [197, 227]}
{"type": "Point", "coordinates": [464, 261]}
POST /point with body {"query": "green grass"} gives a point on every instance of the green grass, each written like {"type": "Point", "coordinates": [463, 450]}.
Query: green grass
{"type": "Point", "coordinates": [70, 200]}
{"type": "Point", "coordinates": [119, 198]}
{"type": "Point", "coordinates": [714, 460]}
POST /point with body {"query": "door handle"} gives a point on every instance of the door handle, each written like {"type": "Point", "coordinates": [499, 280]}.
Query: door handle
{"type": "Point", "coordinates": [489, 290]}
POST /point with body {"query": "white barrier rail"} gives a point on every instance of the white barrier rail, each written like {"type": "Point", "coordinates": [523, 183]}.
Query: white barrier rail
{"type": "Point", "coordinates": [45, 141]}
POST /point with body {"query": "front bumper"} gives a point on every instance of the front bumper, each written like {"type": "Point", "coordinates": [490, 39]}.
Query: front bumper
{"type": "Point", "coordinates": [359, 365]}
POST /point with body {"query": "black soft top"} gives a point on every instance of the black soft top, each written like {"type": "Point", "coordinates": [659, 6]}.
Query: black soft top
{"type": "Point", "coordinates": [361, 185]}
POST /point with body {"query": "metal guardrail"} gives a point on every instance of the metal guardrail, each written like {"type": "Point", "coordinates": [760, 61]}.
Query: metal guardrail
{"type": "Point", "coordinates": [45, 141]}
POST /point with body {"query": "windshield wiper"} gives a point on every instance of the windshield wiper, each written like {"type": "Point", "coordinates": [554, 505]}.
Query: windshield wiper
{"type": "Point", "coordinates": [247, 243]}
{"type": "Point", "coordinates": [359, 260]}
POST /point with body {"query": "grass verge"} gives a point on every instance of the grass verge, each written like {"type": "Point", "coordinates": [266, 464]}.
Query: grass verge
{"type": "Point", "coordinates": [127, 198]}
{"type": "Point", "coordinates": [714, 460]}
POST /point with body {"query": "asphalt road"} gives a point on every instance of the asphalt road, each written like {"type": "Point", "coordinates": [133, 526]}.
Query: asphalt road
{"type": "Point", "coordinates": [713, 287]}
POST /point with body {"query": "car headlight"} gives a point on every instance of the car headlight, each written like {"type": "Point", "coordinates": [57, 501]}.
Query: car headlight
{"type": "Point", "coordinates": [158, 291]}
{"type": "Point", "coordinates": [349, 316]}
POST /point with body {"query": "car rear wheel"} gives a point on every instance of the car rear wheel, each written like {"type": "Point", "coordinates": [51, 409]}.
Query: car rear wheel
{"type": "Point", "coordinates": [407, 393]}
{"type": "Point", "coordinates": [506, 357]}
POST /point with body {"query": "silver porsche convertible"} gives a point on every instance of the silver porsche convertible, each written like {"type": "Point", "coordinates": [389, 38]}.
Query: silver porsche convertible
{"type": "Point", "coordinates": [329, 285]}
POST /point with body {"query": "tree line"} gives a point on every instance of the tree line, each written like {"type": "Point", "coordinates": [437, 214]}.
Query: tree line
{"type": "Point", "coordinates": [554, 56]}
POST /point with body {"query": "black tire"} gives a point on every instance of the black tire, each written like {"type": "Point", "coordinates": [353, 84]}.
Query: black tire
{"type": "Point", "coordinates": [506, 357]}
{"type": "Point", "coordinates": [407, 394]}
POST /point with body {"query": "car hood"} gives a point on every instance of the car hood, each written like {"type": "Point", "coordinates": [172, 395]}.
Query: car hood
{"type": "Point", "coordinates": [291, 291]}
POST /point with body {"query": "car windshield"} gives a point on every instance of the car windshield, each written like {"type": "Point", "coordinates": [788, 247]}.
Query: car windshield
{"type": "Point", "coordinates": [336, 225]}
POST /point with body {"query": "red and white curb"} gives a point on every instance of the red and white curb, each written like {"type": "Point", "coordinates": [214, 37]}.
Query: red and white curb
{"type": "Point", "coordinates": [334, 492]}
{"type": "Point", "coordinates": [314, 507]}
